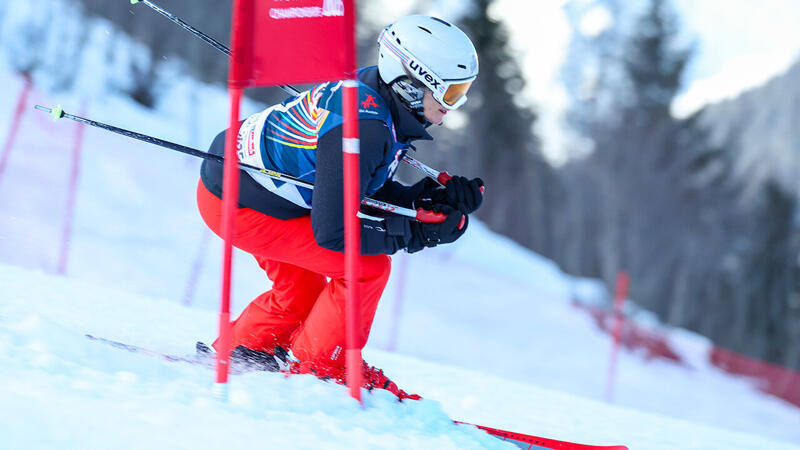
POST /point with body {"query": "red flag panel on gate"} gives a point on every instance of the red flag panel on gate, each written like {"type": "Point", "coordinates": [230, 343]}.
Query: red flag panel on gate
{"type": "Point", "coordinates": [296, 41]}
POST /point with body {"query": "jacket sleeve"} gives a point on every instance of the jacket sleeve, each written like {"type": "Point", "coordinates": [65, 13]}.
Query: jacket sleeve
{"type": "Point", "coordinates": [399, 194]}
{"type": "Point", "coordinates": [327, 208]}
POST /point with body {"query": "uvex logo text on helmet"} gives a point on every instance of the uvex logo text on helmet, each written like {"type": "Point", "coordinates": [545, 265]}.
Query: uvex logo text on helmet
{"type": "Point", "coordinates": [416, 67]}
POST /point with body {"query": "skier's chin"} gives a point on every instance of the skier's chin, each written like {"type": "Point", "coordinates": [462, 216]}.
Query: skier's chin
{"type": "Point", "coordinates": [436, 118]}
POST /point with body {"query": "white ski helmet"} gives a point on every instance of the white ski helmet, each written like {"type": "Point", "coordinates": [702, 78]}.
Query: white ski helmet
{"type": "Point", "coordinates": [419, 52]}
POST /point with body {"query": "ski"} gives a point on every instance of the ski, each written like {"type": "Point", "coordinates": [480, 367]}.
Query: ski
{"type": "Point", "coordinates": [526, 441]}
{"type": "Point", "coordinates": [523, 441]}
{"type": "Point", "coordinates": [198, 360]}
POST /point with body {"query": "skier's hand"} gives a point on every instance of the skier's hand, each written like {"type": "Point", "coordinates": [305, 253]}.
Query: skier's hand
{"type": "Point", "coordinates": [432, 234]}
{"type": "Point", "coordinates": [464, 194]}
{"type": "Point", "coordinates": [460, 193]}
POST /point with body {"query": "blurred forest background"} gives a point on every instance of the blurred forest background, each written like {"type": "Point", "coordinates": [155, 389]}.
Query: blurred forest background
{"type": "Point", "coordinates": [701, 211]}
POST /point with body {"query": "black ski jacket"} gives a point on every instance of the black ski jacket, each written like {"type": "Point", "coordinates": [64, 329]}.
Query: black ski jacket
{"type": "Point", "coordinates": [327, 216]}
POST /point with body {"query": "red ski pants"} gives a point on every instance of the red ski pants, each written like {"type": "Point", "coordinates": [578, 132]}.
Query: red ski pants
{"type": "Point", "coordinates": [303, 311]}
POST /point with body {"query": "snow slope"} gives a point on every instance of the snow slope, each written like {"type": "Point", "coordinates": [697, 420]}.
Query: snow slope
{"type": "Point", "coordinates": [513, 353]}
{"type": "Point", "coordinates": [61, 390]}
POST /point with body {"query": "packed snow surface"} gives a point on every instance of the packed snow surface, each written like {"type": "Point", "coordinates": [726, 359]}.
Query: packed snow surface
{"type": "Point", "coordinates": [61, 390]}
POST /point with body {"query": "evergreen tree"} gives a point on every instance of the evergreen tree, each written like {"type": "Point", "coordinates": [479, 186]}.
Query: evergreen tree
{"type": "Point", "coordinates": [665, 205]}
{"type": "Point", "coordinates": [654, 62]}
{"type": "Point", "coordinates": [766, 318]}
{"type": "Point", "coordinates": [629, 183]}
{"type": "Point", "coordinates": [520, 184]}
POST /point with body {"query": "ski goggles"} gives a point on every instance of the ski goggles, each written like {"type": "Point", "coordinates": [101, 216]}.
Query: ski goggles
{"type": "Point", "coordinates": [456, 93]}
{"type": "Point", "coordinates": [449, 93]}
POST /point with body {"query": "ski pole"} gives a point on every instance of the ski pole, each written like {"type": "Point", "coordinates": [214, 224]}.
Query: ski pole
{"type": "Point", "coordinates": [420, 214]}
{"type": "Point", "coordinates": [208, 39]}
{"type": "Point", "coordinates": [440, 177]}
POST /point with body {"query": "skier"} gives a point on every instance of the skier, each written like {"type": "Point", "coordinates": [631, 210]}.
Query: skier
{"type": "Point", "coordinates": [425, 68]}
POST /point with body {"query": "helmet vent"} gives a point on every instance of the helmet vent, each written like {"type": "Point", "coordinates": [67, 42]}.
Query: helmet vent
{"type": "Point", "coordinates": [440, 20]}
{"type": "Point", "coordinates": [425, 29]}
{"type": "Point", "coordinates": [462, 66]}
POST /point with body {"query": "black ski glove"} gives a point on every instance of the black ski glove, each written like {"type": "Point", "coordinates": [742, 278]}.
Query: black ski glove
{"type": "Point", "coordinates": [459, 192]}
{"type": "Point", "coordinates": [431, 234]}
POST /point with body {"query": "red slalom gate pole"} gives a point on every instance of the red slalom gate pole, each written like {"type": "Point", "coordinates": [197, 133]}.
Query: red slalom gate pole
{"type": "Point", "coordinates": [15, 122]}
{"type": "Point", "coordinates": [620, 294]}
{"type": "Point", "coordinates": [66, 232]}
{"type": "Point", "coordinates": [238, 78]}
{"type": "Point", "coordinates": [230, 194]}
{"type": "Point", "coordinates": [352, 226]}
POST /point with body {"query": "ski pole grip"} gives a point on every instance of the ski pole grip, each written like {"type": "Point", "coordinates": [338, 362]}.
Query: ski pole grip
{"type": "Point", "coordinates": [426, 216]}
{"type": "Point", "coordinates": [444, 177]}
